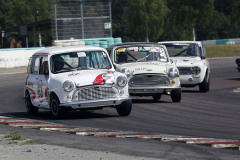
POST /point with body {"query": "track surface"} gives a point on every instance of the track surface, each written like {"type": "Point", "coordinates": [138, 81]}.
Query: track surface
{"type": "Point", "coordinates": [213, 114]}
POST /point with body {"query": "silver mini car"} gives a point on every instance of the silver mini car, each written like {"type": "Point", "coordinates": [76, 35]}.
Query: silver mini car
{"type": "Point", "coordinates": [148, 69]}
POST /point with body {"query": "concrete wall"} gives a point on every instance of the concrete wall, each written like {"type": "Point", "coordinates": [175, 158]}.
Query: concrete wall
{"type": "Point", "coordinates": [16, 57]}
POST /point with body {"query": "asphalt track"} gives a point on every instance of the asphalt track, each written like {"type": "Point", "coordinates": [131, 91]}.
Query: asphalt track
{"type": "Point", "coordinates": [215, 114]}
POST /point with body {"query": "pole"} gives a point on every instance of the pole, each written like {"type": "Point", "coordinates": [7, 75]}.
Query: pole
{"type": "Point", "coordinates": [110, 12]}
{"type": "Point", "coordinates": [81, 5]}
{"type": "Point", "coordinates": [2, 38]}
{"type": "Point", "coordinates": [56, 28]}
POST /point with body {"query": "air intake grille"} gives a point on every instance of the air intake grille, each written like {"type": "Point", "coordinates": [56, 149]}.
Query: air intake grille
{"type": "Point", "coordinates": [95, 93]}
{"type": "Point", "coordinates": [149, 80]}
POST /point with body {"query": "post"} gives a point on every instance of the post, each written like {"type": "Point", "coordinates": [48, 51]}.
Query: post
{"type": "Point", "coordinates": [56, 28]}
{"type": "Point", "coordinates": [81, 6]}
{"type": "Point", "coordinates": [110, 14]}
{"type": "Point", "coordinates": [2, 38]}
{"type": "Point", "coordinates": [26, 41]}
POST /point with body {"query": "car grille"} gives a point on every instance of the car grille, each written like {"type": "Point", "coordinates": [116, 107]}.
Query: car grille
{"type": "Point", "coordinates": [149, 80]}
{"type": "Point", "coordinates": [95, 93]}
{"type": "Point", "coordinates": [185, 70]}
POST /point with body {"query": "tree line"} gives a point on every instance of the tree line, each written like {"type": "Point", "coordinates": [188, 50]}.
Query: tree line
{"type": "Point", "coordinates": [144, 20]}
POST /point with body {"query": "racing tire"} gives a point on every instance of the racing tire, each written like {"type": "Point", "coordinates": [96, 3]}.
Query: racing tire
{"type": "Point", "coordinates": [157, 97]}
{"type": "Point", "coordinates": [125, 108]}
{"type": "Point", "coordinates": [176, 95]}
{"type": "Point", "coordinates": [31, 109]}
{"type": "Point", "coordinates": [56, 110]}
{"type": "Point", "coordinates": [205, 85]}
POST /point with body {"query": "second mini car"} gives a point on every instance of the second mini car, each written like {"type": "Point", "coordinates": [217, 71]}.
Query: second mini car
{"type": "Point", "coordinates": [148, 69]}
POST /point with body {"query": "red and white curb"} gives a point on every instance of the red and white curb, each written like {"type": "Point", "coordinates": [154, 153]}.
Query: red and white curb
{"type": "Point", "coordinates": [46, 126]}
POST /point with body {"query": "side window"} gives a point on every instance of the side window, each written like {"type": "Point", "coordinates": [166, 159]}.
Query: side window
{"type": "Point", "coordinates": [43, 65]}
{"type": "Point", "coordinates": [34, 65]}
{"type": "Point", "coordinates": [29, 71]}
{"type": "Point", "coordinates": [198, 50]}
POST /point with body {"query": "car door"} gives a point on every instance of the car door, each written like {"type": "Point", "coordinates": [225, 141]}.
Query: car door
{"type": "Point", "coordinates": [31, 81]}
{"type": "Point", "coordinates": [42, 82]}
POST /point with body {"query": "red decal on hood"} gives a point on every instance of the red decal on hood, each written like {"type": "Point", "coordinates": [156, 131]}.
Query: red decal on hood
{"type": "Point", "coordinates": [101, 78]}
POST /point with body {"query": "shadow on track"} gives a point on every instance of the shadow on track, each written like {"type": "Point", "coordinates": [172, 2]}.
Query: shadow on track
{"type": "Point", "coordinates": [70, 115]}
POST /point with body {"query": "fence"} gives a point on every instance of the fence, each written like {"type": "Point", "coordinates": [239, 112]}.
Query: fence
{"type": "Point", "coordinates": [81, 19]}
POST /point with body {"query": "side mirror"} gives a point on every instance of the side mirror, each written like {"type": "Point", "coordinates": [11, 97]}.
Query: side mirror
{"type": "Point", "coordinates": [171, 61]}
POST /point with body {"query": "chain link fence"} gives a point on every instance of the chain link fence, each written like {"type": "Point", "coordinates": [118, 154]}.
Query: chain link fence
{"type": "Point", "coordinates": [81, 19]}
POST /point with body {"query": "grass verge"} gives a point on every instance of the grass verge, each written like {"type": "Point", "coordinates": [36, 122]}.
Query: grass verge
{"type": "Point", "coordinates": [223, 50]}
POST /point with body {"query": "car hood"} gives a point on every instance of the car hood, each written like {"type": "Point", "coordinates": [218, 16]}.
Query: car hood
{"type": "Point", "coordinates": [89, 77]}
{"type": "Point", "coordinates": [145, 67]}
{"type": "Point", "coordinates": [185, 61]}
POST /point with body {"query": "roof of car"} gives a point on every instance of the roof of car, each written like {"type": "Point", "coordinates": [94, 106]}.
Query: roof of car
{"type": "Point", "coordinates": [195, 42]}
{"type": "Point", "coordinates": [59, 50]}
{"type": "Point", "coordinates": [132, 43]}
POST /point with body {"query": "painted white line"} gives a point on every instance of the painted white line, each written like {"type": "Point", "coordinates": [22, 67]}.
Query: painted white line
{"type": "Point", "coordinates": [182, 138]}
{"type": "Point", "coordinates": [91, 133]}
{"type": "Point", "coordinates": [225, 145]}
{"type": "Point", "coordinates": [214, 141]}
{"type": "Point", "coordinates": [28, 125]}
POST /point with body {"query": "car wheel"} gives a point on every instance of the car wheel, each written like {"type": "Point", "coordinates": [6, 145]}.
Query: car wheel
{"type": "Point", "coordinates": [176, 95]}
{"type": "Point", "coordinates": [125, 108]}
{"type": "Point", "coordinates": [56, 110]}
{"type": "Point", "coordinates": [31, 109]}
{"type": "Point", "coordinates": [157, 97]}
{"type": "Point", "coordinates": [205, 85]}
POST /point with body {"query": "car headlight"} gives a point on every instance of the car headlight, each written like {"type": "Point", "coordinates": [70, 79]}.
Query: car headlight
{"type": "Point", "coordinates": [196, 70]}
{"type": "Point", "coordinates": [68, 85]}
{"type": "Point", "coordinates": [121, 81]}
{"type": "Point", "coordinates": [173, 72]}
{"type": "Point", "coordinates": [126, 71]}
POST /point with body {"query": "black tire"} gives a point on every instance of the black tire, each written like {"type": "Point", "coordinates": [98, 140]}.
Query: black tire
{"type": "Point", "coordinates": [56, 110]}
{"type": "Point", "coordinates": [31, 109]}
{"type": "Point", "coordinates": [176, 95]}
{"type": "Point", "coordinates": [205, 85]}
{"type": "Point", "coordinates": [157, 96]}
{"type": "Point", "coordinates": [125, 108]}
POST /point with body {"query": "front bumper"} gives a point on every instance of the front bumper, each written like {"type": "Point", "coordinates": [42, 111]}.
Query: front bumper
{"type": "Point", "coordinates": [152, 90]}
{"type": "Point", "coordinates": [190, 80]}
{"type": "Point", "coordinates": [95, 103]}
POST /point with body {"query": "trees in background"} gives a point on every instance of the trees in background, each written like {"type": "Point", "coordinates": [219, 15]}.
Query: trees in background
{"type": "Point", "coordinates": [140, 20]}
{"type": "Point", "coordinates": [145, 18]}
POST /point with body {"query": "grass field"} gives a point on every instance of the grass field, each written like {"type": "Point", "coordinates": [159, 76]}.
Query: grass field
{"type": "Point", "coordinates": [225, 50]}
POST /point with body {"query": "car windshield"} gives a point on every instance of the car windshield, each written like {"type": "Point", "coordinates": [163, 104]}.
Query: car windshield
{"type": "Point", "coordinates": [79, 61]}
{"type": "Point", "coordinates": [140, 54]}
{"type": "Point", "coordinates": [182, 49]}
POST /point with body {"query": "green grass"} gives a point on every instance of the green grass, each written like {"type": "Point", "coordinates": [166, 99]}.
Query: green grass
{"type": "Point", "coordinates": [224, 50]}
{"type": "Point", "coordinates": [13, 135]}
{"type": "Point", "coordinates": [28, 142]}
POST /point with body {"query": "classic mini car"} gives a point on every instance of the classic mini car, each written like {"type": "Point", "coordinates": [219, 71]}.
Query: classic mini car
{"type": "Point", "coordinates": [75, 78]}
{"type": "Point", "coordinates": [148, 69]}
{"type": "Point", "coordinates": [190, 59]}
{"type": "Point", "coordinates": [238, 64]}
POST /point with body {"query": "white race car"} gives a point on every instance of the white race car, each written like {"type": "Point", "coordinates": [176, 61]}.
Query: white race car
{"type": "Point", "coordinates": [190, 59]}
{"type": "Point", "coordinates": [77, 78]}
{"type": "Point", "coordinates": [148, 68]}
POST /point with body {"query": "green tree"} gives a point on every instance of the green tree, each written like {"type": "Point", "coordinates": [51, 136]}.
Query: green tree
{"type": "Point", "coordinates": [191, 13]}
{"type": "Point", "coordinates": [145, 18]}
{"type": "Point", "coordinates": [234, 13]}
{"type": "Point", "coordinates": [6, 14]}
